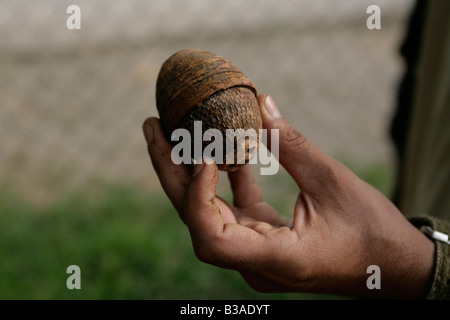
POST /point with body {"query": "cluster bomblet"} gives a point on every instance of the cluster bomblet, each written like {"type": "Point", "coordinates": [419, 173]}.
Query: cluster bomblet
{"type": "Point", "coordinates": [196, 85]}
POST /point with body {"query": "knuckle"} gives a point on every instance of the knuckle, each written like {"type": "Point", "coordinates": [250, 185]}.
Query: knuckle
{"type": "Point", "coordinates": [213, 251]}
{"type": "Point", "coordinates": [292, 138]}
{"type": "Point", "coordinates": [201, 253]}
{"type": "Point", "coordinates": [206, 252]}
{"type": "Point", "coordinates": [295, 138]}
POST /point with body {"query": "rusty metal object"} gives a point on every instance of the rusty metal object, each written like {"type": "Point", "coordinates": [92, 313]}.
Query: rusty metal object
{"type": "Point", "coordinates": [196, 85]}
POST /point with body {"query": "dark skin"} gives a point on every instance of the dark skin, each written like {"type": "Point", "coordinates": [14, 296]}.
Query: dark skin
{"type": "Point", "coordinates": [341, 225]}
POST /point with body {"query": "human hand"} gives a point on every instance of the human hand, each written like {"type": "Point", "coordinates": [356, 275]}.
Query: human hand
{"type": "Point", "coordinates": [341, 225]}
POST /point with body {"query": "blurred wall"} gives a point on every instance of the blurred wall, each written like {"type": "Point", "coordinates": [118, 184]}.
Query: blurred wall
{"type": "Point", "coordinates": [73, 101]}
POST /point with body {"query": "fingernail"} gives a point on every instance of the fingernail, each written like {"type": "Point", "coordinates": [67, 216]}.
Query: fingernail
{"type": "Point", "coordinates": [208, 160]}
{"type": "Point", "coordinates": [148, 132]}
{"type": "Point", "coordinates": [271, 108]}
{"type": "Point", "coordinates": [197, 169]}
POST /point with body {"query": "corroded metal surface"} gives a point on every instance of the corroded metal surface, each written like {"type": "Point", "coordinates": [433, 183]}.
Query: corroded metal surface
{"type": "Point", "coordinates": [198, 85]}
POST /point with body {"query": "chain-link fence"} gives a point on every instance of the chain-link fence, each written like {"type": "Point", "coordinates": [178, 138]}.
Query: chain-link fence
{"type": "Point", "coordinates": [73, 101]}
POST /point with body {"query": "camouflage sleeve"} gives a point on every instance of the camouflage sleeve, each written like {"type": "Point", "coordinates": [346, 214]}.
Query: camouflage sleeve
{"type": "Point", "coordinates": [439, 287]}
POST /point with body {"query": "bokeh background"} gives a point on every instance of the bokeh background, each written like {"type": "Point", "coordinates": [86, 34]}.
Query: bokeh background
{"type": "Point", "coordinates": [76, 184]}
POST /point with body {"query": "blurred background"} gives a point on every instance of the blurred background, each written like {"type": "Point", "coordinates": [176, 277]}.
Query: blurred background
{"type": "Point", "coordinates": [76, 184]}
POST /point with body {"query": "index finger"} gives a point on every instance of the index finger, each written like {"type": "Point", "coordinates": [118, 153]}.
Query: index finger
{"type": "Point", "coordinates": [229, 245]}
{"type": "Point", "coordinates": [173, 178]}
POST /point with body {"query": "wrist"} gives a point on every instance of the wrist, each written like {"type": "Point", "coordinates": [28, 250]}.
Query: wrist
{"type": "Point", "coordinates": [406, 266]}
{"type": "Point", "coordinates": [423, 270]}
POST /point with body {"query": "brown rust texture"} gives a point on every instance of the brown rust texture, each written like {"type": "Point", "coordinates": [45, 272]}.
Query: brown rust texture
{"type": "Point", "coordinates": [198, 85]}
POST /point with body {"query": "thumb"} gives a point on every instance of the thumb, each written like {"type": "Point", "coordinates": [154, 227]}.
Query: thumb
{"type": "Point", "coordinates": [307, 164]}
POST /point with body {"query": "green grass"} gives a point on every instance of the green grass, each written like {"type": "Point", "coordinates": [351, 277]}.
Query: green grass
{"type": "Point", "coordinates": [129, 245]}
